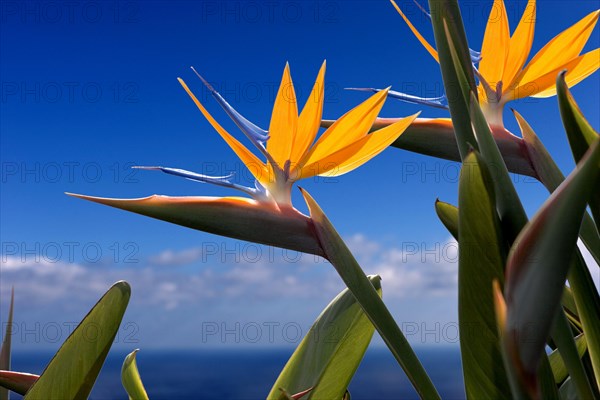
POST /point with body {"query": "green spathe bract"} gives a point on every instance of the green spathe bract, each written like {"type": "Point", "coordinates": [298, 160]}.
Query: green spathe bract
{"type": "Point", "coordinates": [131, 380]}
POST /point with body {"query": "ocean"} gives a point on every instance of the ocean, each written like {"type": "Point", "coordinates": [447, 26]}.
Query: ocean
{"type": "Point", "coordinates": [249, 374]}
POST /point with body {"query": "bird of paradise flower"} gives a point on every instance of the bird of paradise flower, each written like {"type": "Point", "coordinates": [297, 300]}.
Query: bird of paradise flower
{"type": "Point", "coordinates": [504, 75]}
{"type": "Point", "coordinates": [291, 152]}
{"type": "Point", "coordinates": [503, 71]}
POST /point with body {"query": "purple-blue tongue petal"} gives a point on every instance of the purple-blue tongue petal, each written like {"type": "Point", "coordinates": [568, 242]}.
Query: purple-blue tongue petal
{"type": "Point", "coordinates": [437, 102]}
{"type": "Point", "coordinates": [475, 55]}
{"type": "Point", "coordinates": [257, 135]}
{"type": "Point", "coordinates": [224, 181]}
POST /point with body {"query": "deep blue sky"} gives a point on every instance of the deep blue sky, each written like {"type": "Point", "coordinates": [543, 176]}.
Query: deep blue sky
{"type": "Point", "coordinates": [89, 88]}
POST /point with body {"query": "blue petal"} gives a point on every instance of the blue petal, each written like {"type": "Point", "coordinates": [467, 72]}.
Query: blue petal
{"type": "Point", "coordinates": [257, 135]}
{"type": "Point", "coordinates": [224, 181]}
{"type": "Point", "coordinates": [475, 56]}
{"type": "Point", "coordinates": [437, 102]}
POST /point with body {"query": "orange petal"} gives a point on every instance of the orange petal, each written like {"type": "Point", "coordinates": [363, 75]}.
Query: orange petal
{"type": "Point", "coordinates": [284, 121]}
{"type": "Point", "coordinates": [577, 71]}
{"type": "Point", "coordinates": [520, 44]}
{"type": "Point", "coordinates": [559, 51]}
{"type": "Point", "coordinates": [356, 154]}
{"type": "Point", "coordinates": [253, 163]}
{"type": "Point", "coordinates": [545, 85]}
{"type": "Point", "coordinates": [420, 37]}
{"type": "Point", "coordinates": [353, 125]}
{"type": "Point", "coordinates": [234, 217]}
{"type": "Point", "coordinates": [310, 119]}
{"type": "Point", "coordinates": [495, 47]}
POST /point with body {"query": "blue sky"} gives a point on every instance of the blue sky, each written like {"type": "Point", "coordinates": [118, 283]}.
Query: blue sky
{"type": "Point", "coordinates": [89, 89]}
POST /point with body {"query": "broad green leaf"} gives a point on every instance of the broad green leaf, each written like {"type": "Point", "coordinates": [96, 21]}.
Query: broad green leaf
{"type": "Point", "coordinates": [448, 214]}
{"type": "Point", "coordinates": [538, 265]}
{"type": "Point", "coordinates": [551, 177]}
{"type": "Point", "coordinates": [6, 344]}
{"type": "Point", "coordinates": [580, 133]}
{"type": "Point", "coordinates": [74, 368]}
{"type": "Point", "coordinates": [338, 254]}
{"type": "Point", "coordinates": [328, 356]}
{"type": "Point", "coordinates": [559, 369]}
{"type": "Point", "coordinates": [447, 12]}
{"type": "Point", "coordinates": [18, 382]}
{"type": "Point", "coordinates": [480, 262]}
{"type": "Point", "coordinates": [130, 378]}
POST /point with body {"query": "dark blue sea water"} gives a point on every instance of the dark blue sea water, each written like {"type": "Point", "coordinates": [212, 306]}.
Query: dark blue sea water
{"type": "Point", "coordinates": [249, 374]}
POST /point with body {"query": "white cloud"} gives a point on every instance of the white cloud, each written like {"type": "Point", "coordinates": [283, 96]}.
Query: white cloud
{"type": "Point", "coordinates": [281, 286]}
{"type": "Point", "coordinates": [411, 270]}
{"type": "Point", "coordinates": [172, 258]}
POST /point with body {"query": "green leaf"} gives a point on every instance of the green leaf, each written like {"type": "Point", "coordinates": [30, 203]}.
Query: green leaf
{"type": "Point", "coordinates": [480, 262]}
{"type": "Point", "coordinates": [74, 368]}
{"type": "Point", "coordinates": [448, 214]}
{"type": "Point", "coordinates": [331, 351]}
{"type": "Point", "coordinates": [130, 378]}
{"type": "Point", "coordinates": [338, 254]}
{"type": "Point", "coordinates": [446, 14]}
{"type": "Point", "coordinates": [538, 265]}
{"type": "Point", "coordinates": [580, 133]}
{"type": "Point", "coordinates": [6, 344]}
{"type": "Point", "coordinates": [18, 382]}
{"type": "Point", "coordinates": [559, 369]}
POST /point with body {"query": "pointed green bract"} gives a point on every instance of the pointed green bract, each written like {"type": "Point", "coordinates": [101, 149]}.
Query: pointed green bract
{"type": "Point", "coordinates": [580, 133]}
{"type": "Point", "coordinates": [538, 265]}
{"type": "Point", "coordinates": [481, 261]}
{"type": "Point", "coordinates": [73, 370]}
{"type": "Point", "coordinates": [551, 177]}
{"type": "Point", "coordinates": [343, 261]}
{"type": "Point", "coordinates": [448, 214]}
{"type": "Point", "coordinates": [131, 380]}
{"type": "Point", "coordinates": [328, 356]}
{"type": "Point", "coordinates": [5, 350]}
